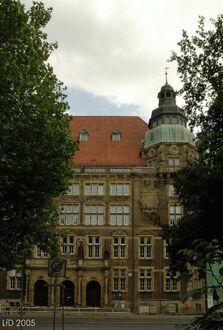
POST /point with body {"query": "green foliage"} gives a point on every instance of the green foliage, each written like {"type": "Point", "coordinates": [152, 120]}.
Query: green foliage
{"type": "Point", "coordinates": [200, 184]}
{"type": "Point", "coordinates": [204, 322]}
{"type": "Point", "coordinates": [196, 243]}
{"type": "Point", "coordinates": [200, 68]}
{"type": "Point", "coordinates": [36, 146]}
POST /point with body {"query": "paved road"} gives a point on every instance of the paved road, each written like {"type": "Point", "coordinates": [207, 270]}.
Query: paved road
{"type": "Point", "coordinates": [91, 322]}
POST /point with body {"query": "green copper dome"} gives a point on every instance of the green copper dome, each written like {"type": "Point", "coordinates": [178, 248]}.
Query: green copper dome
{"type": "Point", "coordinates": [168, 133]}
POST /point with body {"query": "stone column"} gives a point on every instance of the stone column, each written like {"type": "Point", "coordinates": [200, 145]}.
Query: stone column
{"type": "Point", "coordinates": [79, 289]}
{"type": "Point", "coordinates": [106, 288]}
{"type": "Point", "coordinates": [28, 288]}
{"type": "Point", "coordinates": [30, 292]}
{"type": "Point", "coordinates": [51, 292]}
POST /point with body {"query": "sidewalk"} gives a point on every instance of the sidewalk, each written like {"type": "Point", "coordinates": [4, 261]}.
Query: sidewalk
{"type": "Point", "coordinates": [83, 312]}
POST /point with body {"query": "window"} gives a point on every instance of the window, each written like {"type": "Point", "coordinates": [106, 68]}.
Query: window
{"type": "Point", "coordinates": [120, 189]}
{"type": "Point", "coordinates": [116, 136]}
{"type": "Point", "coordinates": [94, 247]}
{"type": "Point", "coordinates": [170, 281]}
{"type": "Point", "coordinates": [83, 135]}
{"type": "Point", "coordinates": [145, 247]}
{"type": "Point", "coordinates": [119, 215]}
{"type": "Point", "coordinates": [93, 214]}
{"type": "Point", "coordinates": [15, 280]}
{"type": "Point", "coordinates": [173, 161]}
{"type": "Point", "coordinates": [172, 191]}
{"type": "Point", "coordinates": [94, 189]}
{"type": "Point", "coordinates": [165, 249]}
{"type": "Point", "coordinates": [119, 280]}
{"type": "Point", "coordinates": [145, 280]}
{"type": "Point", "coordinates": [174, 120]}
{"type": "Point", "coordinates": [67, 245]}
{"type": "Point", "coordinates": [40, 253]}
{"type": "Point", "coordinates": [197, 281]}
{"type": "Point", "coordinates": [69, 214]}
{"type": "Point", "coordinates": [152, 163]}
{"type": "Point", "coordinates": [119, 247]}
{"type": "Point", "coordinates": [175, 214]}
{"type": "Point", "coordinates": [74, 189]}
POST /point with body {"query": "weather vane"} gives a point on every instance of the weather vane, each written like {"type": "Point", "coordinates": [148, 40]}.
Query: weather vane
{"type": "Point", "coordinates": [166, 73]}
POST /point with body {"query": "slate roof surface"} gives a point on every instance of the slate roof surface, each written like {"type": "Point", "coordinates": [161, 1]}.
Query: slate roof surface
{"type": "Point", "coordinates": [100, 150]}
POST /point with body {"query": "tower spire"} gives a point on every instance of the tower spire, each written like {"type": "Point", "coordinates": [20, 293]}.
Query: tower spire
{"type": "Point", "coordinates": [166, 73]}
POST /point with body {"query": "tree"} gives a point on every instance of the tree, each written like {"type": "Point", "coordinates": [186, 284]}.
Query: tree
{"type": "Point", "coordinates": [200, 184]}
{"type": "Point", "coordinates": [36, 145]}
{"type": "Point", "coordinates": [200, 69]}
{"type": "Point", "coordinates": [200, 66]}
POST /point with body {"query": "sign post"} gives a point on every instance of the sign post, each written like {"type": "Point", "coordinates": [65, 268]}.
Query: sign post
{"type": "Point", "coordinates": [57, 268]}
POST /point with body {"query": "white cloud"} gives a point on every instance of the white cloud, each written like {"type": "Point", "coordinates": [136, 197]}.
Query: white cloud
{"type": "Point", "coordinates": [118, 48]}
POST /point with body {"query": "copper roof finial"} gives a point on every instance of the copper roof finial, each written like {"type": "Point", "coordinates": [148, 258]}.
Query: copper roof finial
{"type": "Point", "coordinates": [166, 73]}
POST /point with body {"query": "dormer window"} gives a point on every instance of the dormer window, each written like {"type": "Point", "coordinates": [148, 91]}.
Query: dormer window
{"type": "Point", "coordinates": [116, 136]}
{"type": "Point", "coordinates": [83, 135]}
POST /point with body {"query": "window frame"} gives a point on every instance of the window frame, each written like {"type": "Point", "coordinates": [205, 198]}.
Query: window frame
{"type": "Point", "coordinates": [72, 191]}
{"type": "Point", "coordinates": [119, 249]}
{"type": "Point", "coordinates": [95, 247]}
{"type": "Point", "coordinates": [40, 253]}
{"type": "Point", "coordinates": [174, 217]}
{"type": "Point", "coordinates": [95, 218]}
{"type": "Point", "coordinates": [83, 136]}
{"type": "Point", "coordinates": [146, 279]}
{"type": "Point", "coordinates": [119, 189]}
{"type": "Point", "coordinates": [165, 246]}
{"type": "Point", "coordinates": [119, 279]}
{"type": "Point", "coordinates": [66, 245]}
{"type": "Point", "coordinates": [14, 276]}
{"type": "Point", "coordinates": [119, 214]}
{"type": "Point", "coordinates": [72, 213]}
{"type": "Point", "coordinates": [116, 136]}
{"type": "Point", "coordinates": [174, 285]}
{"type": "Point", "coordinates": [174, 162]}
{"type": "Point", "coordinates": [99, 191]}
{"type": "Point", "coordinates": [171, 191]}
{"type": "Point", "coordinates": [145, 247]}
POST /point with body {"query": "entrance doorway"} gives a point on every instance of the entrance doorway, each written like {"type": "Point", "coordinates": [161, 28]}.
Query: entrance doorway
{"type": "Point", "coordinates": [93, 294]}
{"type": "Point", "coordinates": [41, 293]}
{"type": "Point", "coordinates": [68, 294]}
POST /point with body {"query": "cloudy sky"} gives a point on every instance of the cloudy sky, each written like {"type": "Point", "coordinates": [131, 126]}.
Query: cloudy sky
{"type": "Point", "coordinates": [112, 54]}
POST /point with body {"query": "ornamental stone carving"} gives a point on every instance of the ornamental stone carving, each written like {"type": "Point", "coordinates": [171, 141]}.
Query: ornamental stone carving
{"type": "Point", "coordinates": [174, 150]}
{"type": "Point", "coordinates": [148, 198]}
{"type": "Point", "coordinates": [151, 153]}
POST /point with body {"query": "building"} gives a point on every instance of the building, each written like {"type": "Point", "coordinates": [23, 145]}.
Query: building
{"type": "Point", "coordinates": [110, 219]}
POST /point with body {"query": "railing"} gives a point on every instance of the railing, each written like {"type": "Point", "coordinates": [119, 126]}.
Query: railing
{"type": "Point", "coordinates": [79, 310]}
{"type": "Point", "coordinates": [125, 170]}
{"type": "Point", "coordinates": [120, 170]}
{"type": "Point", "coordinates": [95, 170]}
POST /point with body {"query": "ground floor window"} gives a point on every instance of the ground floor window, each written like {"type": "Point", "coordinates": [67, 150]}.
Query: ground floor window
{"type": "Point", "coordinates": [170, 280]}
{"type": "Point", "coordinates": [145, 280]}
{"type": "Point", "coordinates": [119, 279]}
{"type": "Point", "coordinates": [15, 280]}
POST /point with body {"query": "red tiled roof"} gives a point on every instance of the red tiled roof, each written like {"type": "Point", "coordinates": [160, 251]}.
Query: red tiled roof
{"type": "Point", "coordinates": [100, 149]}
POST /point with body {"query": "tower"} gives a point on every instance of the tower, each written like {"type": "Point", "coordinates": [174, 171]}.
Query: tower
{"type": "Point", "coordinates": [168, 143]}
